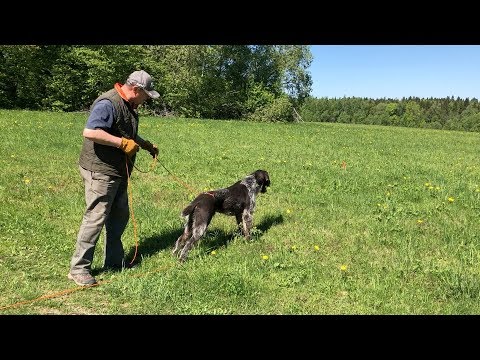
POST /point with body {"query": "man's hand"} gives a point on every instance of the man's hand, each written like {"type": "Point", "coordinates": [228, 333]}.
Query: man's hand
{"type": "Point", "coordinates": [151, 148]}
{"type": "Point", "coordinates": [129, 146]}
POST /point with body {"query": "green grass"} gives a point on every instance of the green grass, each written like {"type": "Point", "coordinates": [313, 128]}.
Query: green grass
{"type": "Point", "coordinates": [395, 231]}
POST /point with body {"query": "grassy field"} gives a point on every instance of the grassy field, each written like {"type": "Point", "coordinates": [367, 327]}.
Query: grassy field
{"type": "Point", "coordinates": [358, 220]}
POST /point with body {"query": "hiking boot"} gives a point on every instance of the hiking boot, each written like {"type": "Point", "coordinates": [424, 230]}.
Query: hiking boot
{"type": "Point", "coordinates": [82, 279]}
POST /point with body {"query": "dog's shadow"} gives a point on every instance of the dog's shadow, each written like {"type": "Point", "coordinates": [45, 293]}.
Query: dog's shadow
{"type": "Point", "coordinates": [210, 241]}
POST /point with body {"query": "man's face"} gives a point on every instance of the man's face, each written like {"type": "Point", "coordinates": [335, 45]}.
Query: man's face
{"type": "Point", "coordinates": [140, 95]}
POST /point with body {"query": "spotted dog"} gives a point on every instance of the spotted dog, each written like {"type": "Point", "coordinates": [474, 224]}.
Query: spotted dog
{"type": "Point", "coordinates": [236, 200]}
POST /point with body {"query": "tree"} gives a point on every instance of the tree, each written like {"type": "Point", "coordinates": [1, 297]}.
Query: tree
{"type": "Point", "coordinates": [296, 79]}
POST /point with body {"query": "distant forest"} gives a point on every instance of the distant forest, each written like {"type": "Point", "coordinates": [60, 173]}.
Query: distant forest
{"type": "Point", "coordinates": [444, 113]}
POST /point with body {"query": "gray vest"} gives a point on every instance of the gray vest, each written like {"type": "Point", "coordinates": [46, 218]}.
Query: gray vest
{"type": "Point", "coordinates": [108, 159]}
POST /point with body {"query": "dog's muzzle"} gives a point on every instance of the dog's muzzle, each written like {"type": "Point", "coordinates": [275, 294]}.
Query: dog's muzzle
{"type": "Point", "coordinates": [264, 186]}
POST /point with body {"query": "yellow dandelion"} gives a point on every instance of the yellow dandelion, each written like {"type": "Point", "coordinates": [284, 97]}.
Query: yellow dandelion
{"type": "Point", "coordinates": [289, 211]}
{"type": "Point", "coordinates": [437, 187]}
{"type": "Point", "coordinates": [430, 188]}
{"type": "Point", "coordinates": [316, 247]}
{"type": "Point", "coordinates": [343, 267]}
{"type": "Point", "coordinates": [451, 199]}
{"type": "Point", "coordinates": [265, 257]}
{"type": "Point", "coordinates": [427, 184]}
{"type": "Point", "coordinates": [27, 181]}
{"type": "Point", "coordinates": [419, 221]}
{"type": "Point", "coordinates": [213, 252]}
{"type": "Point", "coordinates": [294, 247]}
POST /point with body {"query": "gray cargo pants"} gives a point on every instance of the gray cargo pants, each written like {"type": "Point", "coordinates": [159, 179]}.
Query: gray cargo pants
{"type": "Point", "coordinates": [106, 198]}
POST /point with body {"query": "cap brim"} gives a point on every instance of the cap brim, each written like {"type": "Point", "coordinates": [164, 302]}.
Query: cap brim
{"type": "Point", "coordinates": [152, 93]}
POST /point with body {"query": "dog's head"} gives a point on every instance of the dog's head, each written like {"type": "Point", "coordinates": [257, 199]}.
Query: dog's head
{"type": "Point", "coordinates": [263, 180]}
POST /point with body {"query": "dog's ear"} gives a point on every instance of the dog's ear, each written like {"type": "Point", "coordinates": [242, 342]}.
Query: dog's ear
{"type": "Point", "coordinates": [267, 179]}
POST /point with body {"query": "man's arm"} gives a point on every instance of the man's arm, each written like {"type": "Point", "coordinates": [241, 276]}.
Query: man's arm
{"type": "Point", "coordinates": [147, 145]}
{"type": "Point", "coordinates": [102, 137]}
{"type": "Point", "coordinates": [100, 119]}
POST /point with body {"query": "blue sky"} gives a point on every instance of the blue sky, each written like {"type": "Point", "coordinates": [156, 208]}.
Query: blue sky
{"type": "Point", "coordinates": [395, 71]}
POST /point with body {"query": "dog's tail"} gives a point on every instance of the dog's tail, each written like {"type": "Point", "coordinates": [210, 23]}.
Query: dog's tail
{"type": "Point", "coordinates": [187, 215]}
{"type": "Point", "coordinates": [189, 209]}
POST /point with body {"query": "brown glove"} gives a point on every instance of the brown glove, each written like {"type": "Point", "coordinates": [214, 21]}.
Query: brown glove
{"type": "Point", "coordinates": [151, 148]}
{"type": "Point", "coordinates": [129, 146]}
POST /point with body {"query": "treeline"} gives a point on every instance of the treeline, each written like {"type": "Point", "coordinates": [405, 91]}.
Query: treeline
{"type": "Point", "coordinates": [444, 113]}
{"type": "Point", "coordinates": [253, 82]}
{"type": "Point", "coordinates": [247, 82]}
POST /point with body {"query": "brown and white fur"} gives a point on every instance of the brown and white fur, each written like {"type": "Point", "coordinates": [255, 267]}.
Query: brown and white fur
{"type": "Point", "coordinates": [237, 200]}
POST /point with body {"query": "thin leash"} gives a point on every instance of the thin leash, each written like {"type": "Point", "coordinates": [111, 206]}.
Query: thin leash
{"type": "Point", "coordinates": [129, 189]}
{"type": "Point", "coordinates": [130, 205]}
{"type": "Point", "coordinates": [130, 201]}
{"type": "Point", "coordinates": [130, 193]}
{"type": "Point", "coordinates": [152, 167]}
{"type": "Point", "coordinates": [185, 184]}
{"type": "Point", "coordinates": [179, 180]}
{"type": "Point", "coordinates": [78, 288]}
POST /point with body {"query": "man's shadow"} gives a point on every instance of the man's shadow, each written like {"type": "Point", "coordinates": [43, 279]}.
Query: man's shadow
{"type": "Point", "coordinates": [210, 241]}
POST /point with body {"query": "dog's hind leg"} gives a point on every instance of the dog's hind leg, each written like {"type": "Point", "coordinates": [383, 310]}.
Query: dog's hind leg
{"type": "Point", "coordinates": [240, 225]}
{"type": "Point", "coordinates": [197, 233]}
{"type": "Point", "coordinates": [181, 240]}
{"type": "Point", "coordinates": [187, 232]}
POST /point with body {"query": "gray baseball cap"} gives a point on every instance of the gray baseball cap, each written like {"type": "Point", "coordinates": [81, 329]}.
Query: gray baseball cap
{"type": "Point", "coordinates": [142, 79]}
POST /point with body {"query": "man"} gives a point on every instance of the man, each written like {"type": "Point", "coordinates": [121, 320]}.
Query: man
{"type": "Point", "coordinates": [109, 148]}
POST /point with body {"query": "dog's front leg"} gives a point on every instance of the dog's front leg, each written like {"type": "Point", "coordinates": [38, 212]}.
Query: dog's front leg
{"type": "Point", "coordinates": [242, 226]}
{"type": "Point", "coordinates": [247, 222]}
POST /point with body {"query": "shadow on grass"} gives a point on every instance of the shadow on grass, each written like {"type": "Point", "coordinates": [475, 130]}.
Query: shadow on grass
{"type": "Point", "coordinates": [218, 238]}
{"type": "Point", "coordinates": [210, 241]}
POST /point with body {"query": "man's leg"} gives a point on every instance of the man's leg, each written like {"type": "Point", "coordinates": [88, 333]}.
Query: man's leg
{"type": "Point", "coordinates": [115, 225]}
{"type": "Point", "coordinates": [100, 191]}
